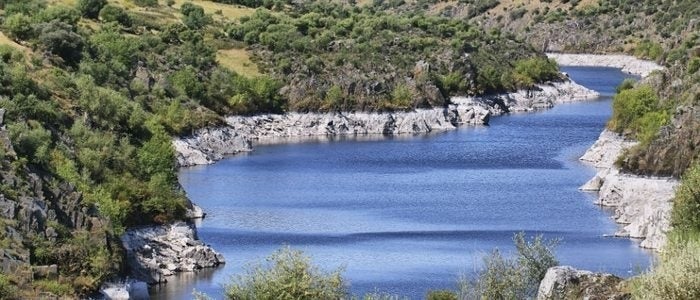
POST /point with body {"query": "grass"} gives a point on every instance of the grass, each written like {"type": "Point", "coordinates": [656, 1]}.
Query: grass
{"type": "Point", "coordinates": [226, 10]}
{"type": "Point", "coordinates": [238, 60]}
{"type": "Point", "coordinates": [4, 40]}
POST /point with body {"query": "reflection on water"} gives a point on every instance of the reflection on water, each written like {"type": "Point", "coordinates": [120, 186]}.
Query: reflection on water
{"type": "Point", "coordinates": [412, 213]}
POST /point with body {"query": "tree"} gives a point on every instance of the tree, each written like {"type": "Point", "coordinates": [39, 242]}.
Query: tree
{"type": "Point", "coordinates": [90, 8]}
{"type": "Point", "coordinates": [59, 38]}
{"type": "Point", "coordinates": [111, 13]}
{"type": "Point", "coordinates": [193, 16]}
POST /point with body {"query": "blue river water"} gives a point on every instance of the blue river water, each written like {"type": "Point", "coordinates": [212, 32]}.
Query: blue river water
{"type": "Point", "coordinates": [407, 214]}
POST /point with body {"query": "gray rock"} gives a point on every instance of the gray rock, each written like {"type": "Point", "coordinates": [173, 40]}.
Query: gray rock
{"type": "Point", "coordinates": [8, 208]}
{"type": "Point", "coordinates": [564, 282]}
{"type": "Point", "coordinates": [156, 252]}
{"type": "Point", "coordinates": [629, 64]}
{"type": "Point", "coordinates": [641, 204]}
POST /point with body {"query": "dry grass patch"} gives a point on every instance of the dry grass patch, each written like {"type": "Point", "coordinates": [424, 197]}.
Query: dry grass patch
{"type": "Point", "coordinates": [238, 60]}
{"type": "Point", "coordinates": [4, 40]}
{"type": "Point", "coordinates": [226, 10]}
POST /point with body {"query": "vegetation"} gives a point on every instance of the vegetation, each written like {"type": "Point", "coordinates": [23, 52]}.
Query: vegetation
{"type": "Point", "coordinates": [326, 47]}
{"type": "Point", "coordinates": [288, 274]}
{"type": "Point", "coordinates": [677, 276]}
{"type": "Point", "coordinates": [513, 278]}
{"type": "Point", "coordinates": [637, 111]}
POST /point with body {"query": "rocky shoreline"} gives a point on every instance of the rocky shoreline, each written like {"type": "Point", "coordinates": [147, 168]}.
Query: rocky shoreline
{"type": "Point", "coordinates": [156, 252]}
{"type": "Point", "coordinates": [642, 205]}
{"type": "Point", "coordinates": [211, 144]}
{"type": "Point", "coordinates": [627, 63]}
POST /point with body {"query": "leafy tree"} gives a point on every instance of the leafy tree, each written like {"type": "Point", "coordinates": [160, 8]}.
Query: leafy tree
{"type": "Point", "coordinates": [194, 16]}
{"type": "Point", "coordinates": [59, 38]}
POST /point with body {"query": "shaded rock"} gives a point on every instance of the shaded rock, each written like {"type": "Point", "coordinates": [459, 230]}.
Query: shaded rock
{"type": "Point", "coordinates": [564, 282]}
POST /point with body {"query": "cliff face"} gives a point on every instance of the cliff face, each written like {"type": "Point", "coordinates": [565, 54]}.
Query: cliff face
{"type": "Point", "coordinates": [38, 212]}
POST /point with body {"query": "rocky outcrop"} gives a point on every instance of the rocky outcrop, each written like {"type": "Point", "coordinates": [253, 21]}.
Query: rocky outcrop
{"type": "Point", "coordinates": [156, 252]}
{"type": "Point", "coordinates": [128, 290]}
{"type": "Point", "coordinates": [209, 145]}
{"type": "Point", "coordinates": [641, 204]}
{"type": "Point", "coordinates": [564, 282]}
{"type": "Point", "coordinates": [629, 64]}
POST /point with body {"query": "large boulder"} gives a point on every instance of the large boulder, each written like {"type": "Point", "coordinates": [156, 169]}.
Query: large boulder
{"type": "Point", "coordinates": [565, 282]}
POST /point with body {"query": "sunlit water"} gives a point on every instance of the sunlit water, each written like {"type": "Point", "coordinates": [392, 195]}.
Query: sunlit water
{"type": "Point", "coordinates": [407, 214]}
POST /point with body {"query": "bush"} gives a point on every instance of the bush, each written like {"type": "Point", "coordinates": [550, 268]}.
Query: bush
{"type": "Point", "coordinates": [626, 84]}
{"type": "Point", "coordinates": [288, 274]}
{"type": "Point", "coordinates": [441, 295]}
{"type": "Point", "coordinates": [90, 8]}
{"type": "Point", "coordinates": [60, 39]}
{"type": "Point", "coordinates": [630, 105]}
{"type": "Point", "coordinates": [513, 278]}
{"type": "Point", "coordinates": [19, 26]}
{"type": "Point", "coordinates": [7, 288]}
{"type": "Point", "coordinates": [685, 216]}
{"type": "Point", "coordinates": [111, 13]}
{"type": "Point", "coordinates": [676, 277]}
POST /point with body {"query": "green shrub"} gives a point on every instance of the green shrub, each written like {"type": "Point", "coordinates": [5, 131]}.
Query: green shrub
{"type": "Point", "coordinates": [288, 274]}
{"type": "Point", "coordinates": [7, 288]}
{"type": "Point", "coordinates": [18, 26]}
{"type": "Point", "coordinates": [54, 287]}
{"type": "Point", "coordinates": [538, 69]}
{"type": "Point", "coordinates": [111, 13]}
{"type": "Point", "coordinates": [630, 105]}
{"type": "Point", "coordinates": [513, 278]}
{"type": "Point", "coordinates": [676, 277]}
{"type": "Point", "coordinates": [441, 295]}
{"type": "Point", "coordinates": [90, 8]}
{"type": "Point", "coordinates": [685, 216]}
{"type": "Point", "coordinates": [694, 65]}
{"type": "Point", "coordinates": [626, 84]}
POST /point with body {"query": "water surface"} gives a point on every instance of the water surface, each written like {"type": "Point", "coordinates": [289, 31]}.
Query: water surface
{"type": "Point", "coordinates": [412, 213]}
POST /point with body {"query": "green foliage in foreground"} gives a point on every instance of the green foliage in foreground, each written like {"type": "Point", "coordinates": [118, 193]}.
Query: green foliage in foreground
{"type": "Point", "coordinates": [677, 277]}
{"type": "Point", "coordinates": [637, 111]}
{"type": "Point", "coordinates": [685, 216]}
{"type": "Point", "coordinates": [513, 278]}
{"type": "Point", "coordinates": [287, 274]}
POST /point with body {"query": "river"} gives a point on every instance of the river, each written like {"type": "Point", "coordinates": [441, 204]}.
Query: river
{"type": "Point", "coordinates": [407, 214]}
